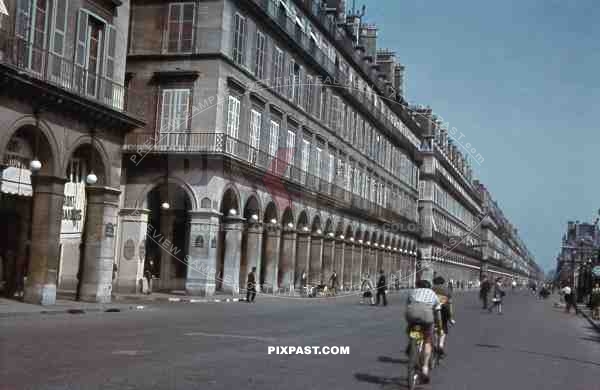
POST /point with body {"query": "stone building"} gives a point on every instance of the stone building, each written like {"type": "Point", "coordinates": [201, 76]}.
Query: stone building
{"type": "Point", "coordinates": [63, 116]}
{"type": "Point", "coordinates": [274, 139]}
{"type": "Point", "coordinates": [579, 253]}
{"type": "Point", "coordinates": [504, 252]}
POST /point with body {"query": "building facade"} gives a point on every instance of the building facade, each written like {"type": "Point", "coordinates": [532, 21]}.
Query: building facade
{"type": "Point", "coordinates": [578, 255]}
{"type": "Point", "coordinates": [269, 138]}
{"type": "Point", "coordinates": [63, 116]}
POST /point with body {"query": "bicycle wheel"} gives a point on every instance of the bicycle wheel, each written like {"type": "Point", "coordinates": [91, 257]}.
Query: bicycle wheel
{"type": "Point", "coordinates": [413, 364]}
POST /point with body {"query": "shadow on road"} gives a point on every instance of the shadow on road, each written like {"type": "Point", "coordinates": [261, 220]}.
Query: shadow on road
{"type": "Point", "coordinates": [591, 338]}
{"type": "Point", "coordinates": [549, 355]}
{"type": "Point", "coordinates": [396, 382]}
{"type": "Point", "coordinates": [387, 359]}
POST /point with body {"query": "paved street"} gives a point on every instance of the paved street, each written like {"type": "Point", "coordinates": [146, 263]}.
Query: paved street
{"type": "Point", "coordinates": [224, 346]}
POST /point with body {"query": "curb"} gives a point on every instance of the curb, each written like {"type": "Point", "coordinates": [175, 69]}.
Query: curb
{"type": "Point", "coordinates": [72, 311]}
{"type": "Point", "coordinates": [595, 324]}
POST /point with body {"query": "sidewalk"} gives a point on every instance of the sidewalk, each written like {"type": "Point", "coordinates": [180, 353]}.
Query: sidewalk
{"type": "Point", "coordinates": [584, 311]}
{"type": "Point", "coordinates": [14, 308]}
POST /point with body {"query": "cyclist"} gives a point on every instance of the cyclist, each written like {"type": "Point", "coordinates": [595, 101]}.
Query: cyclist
{"type": "Point", "coordinates": [423, 308]}
{"type": "Point", "coordinates": [447, 311]}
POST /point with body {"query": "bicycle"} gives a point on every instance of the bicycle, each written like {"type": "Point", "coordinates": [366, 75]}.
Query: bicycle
{"type": "Point", "coordinates": [415, 353]}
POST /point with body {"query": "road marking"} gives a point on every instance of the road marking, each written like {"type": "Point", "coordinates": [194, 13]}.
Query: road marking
{"type": "Point", "coordinates": [234, 336]}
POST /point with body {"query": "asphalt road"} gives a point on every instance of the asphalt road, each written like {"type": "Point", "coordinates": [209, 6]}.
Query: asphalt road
{"type": "Point", "coordinates": [224, 346]}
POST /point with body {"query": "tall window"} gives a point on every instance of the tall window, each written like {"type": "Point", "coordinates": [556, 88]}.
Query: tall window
{"type": "Point", "coordinates": [175, 110]}
{"type": "Point", "coordinates": [278, 69]}
{"type": "Point", "coordinates": [331, 168]}
{"type": "Point", "coordinates": [255, 123]}
{"type": "Point", "coordinates": [273, 138]}
{"type": "Point", "coordinates": [239, 39]}
{"type": "Point", "coordinates": [180, 27]}
{"type": "Point", "coordinates": [308, 96]}
{"type": "Point", "coordinates": [233, 123]}
{"type": "Point", "coordinates": [317, 162]}
{"type": "Point", "coordinates": [259, 64]}
{"type": "Point", "coordinates": [94, 57]}
{"type": "Point", "coordinates": [305, 158]}
{"type": "Point", "coordinates": [290, 147]}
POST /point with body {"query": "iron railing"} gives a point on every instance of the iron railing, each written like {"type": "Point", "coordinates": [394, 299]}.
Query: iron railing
{"type": "Point", "coordinates": [40, 63]}
{"type": "Point", "coordinates": [277, 166]}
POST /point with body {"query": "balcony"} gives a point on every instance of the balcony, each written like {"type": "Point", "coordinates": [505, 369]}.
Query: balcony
{"type": "Point", "coordinates": [222, 144]}
{"type": "Point", "coordinates": [56, 76]}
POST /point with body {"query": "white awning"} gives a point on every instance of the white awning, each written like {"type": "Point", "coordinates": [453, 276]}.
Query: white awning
{"type": "Point", "coordinates": [3, 9]}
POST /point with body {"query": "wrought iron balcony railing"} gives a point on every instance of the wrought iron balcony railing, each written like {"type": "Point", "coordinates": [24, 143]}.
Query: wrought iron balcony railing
{"type": "Point", "coordinates": [278, 166]}
{"type": "Point", "coordinates": [41, 64]}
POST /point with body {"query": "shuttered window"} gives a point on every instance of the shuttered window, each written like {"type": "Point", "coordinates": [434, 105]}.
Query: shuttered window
{"type": "Point", "coordinates": [175, 110]}
{"type": "Point", "coordinates": [239, 39]}
{"type": "Point", "coordinates": [261, 46]}
{"type": "Point", "coordinates": [180, 28]}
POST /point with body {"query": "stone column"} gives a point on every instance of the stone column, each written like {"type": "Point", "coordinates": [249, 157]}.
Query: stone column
{"type": "Point", "coordinates": [99, 243]}
{"type": "Point", "coordinates": [253, 252]}
{"type": "Point", "coordinates": [357, 265]}
{"type": "Point", "coordinates": [133, 228]}
{"type": "Point", "coordinates": [287, 260]}
{"type": "Point", "coordinates": [167, 227]}
{"type": "Point", "coordinates": [303, 246]}
{"type": "Point", "coordinates": [271, 258]}
{"type": "Point", "coordinates": [347, 268]}
{"type": "Point", "coordinates": [232, 254]}
{"type": "Point", "coordinates": [328, 258]}
{"type": "Point", "coordinates": [48, 196]}
{"type": "Point", "coordinates": [202, 252]}
{"type": "Point", "coordinates": [338, 261]}
{"type": "Point", "coordinates": [315, 268]}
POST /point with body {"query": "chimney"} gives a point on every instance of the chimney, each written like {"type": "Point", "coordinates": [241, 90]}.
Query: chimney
{"type": "Point", "coordinates": [399, 79]}
{"type": "Point", "coordinates": [338, 7]}
{"type": "Point", "coordinates": [368, 39]}
{"type": "Point", "coordinates": [386, 59]}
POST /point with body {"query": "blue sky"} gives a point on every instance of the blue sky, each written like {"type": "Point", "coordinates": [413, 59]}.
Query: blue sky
{"type": "Point", "coordinates": [520, 80]}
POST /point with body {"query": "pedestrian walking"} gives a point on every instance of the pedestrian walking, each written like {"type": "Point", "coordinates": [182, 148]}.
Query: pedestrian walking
{"type": "Point", "coordinates": [381, 288]}
{"type": "Point", "coordinates": [497, 296]}
{"type": "Point", "coordinates": [568, 296]}
{"type": "Point", "coordinates": [595, 302]}
{"type": "Point", "coordinates": [366, 288]}
{"type": "Point", "coordinates": [333, 283]}
{"type": "Point", "coordinates": [484, 291]}
{"type": "Point", "coordinates": [251, 286]}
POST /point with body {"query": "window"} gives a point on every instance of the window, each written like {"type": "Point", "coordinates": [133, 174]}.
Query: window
{"type": "Point", "coordinates": [273, 138]}
{"type": "Point", "coordinates": [239, 39]}
{"type": "Point", "coordinates": [317, 162]}
{"type": "Point", "coordinates": [255, 123]}
{"type": "Point", "coordinates": [290, 146]}
{"type": "Point", "coordinates": [233, 123]}
{"type": "Point", "coordinates": [331, 168]}
{"type": "Point", "coordinates": [305, 158]}
{"type": "Point", "coordinates": [261, 45]}
{"type": "Point", "coordinates": [94, 58]}
{"type": "Point", "coordinates": [278, 69]}
{"type": "Point", "coordinates": [180, 28]}
{"type": "Point", "coordinates": [308, 96]}
{"type": "Point", "coordinates": [175, 110]}
{"type": "Point", "coordinates": [347, 180]}
{"type": "Point", "coordinates": [31, 26]}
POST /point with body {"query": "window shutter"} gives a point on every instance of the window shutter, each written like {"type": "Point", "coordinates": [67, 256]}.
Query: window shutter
{"type": "Point", "coordinates": [60, 27]}
{"type": "Point", "coordinates": [187, 27]}
{"type": "Point", "coordinates": [81, 49]}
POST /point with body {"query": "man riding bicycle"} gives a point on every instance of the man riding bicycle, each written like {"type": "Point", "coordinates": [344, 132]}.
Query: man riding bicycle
{"type": "Point", "coordinates": [423, 306]}
{"type": "Point", "coordinates": [447, 311]}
